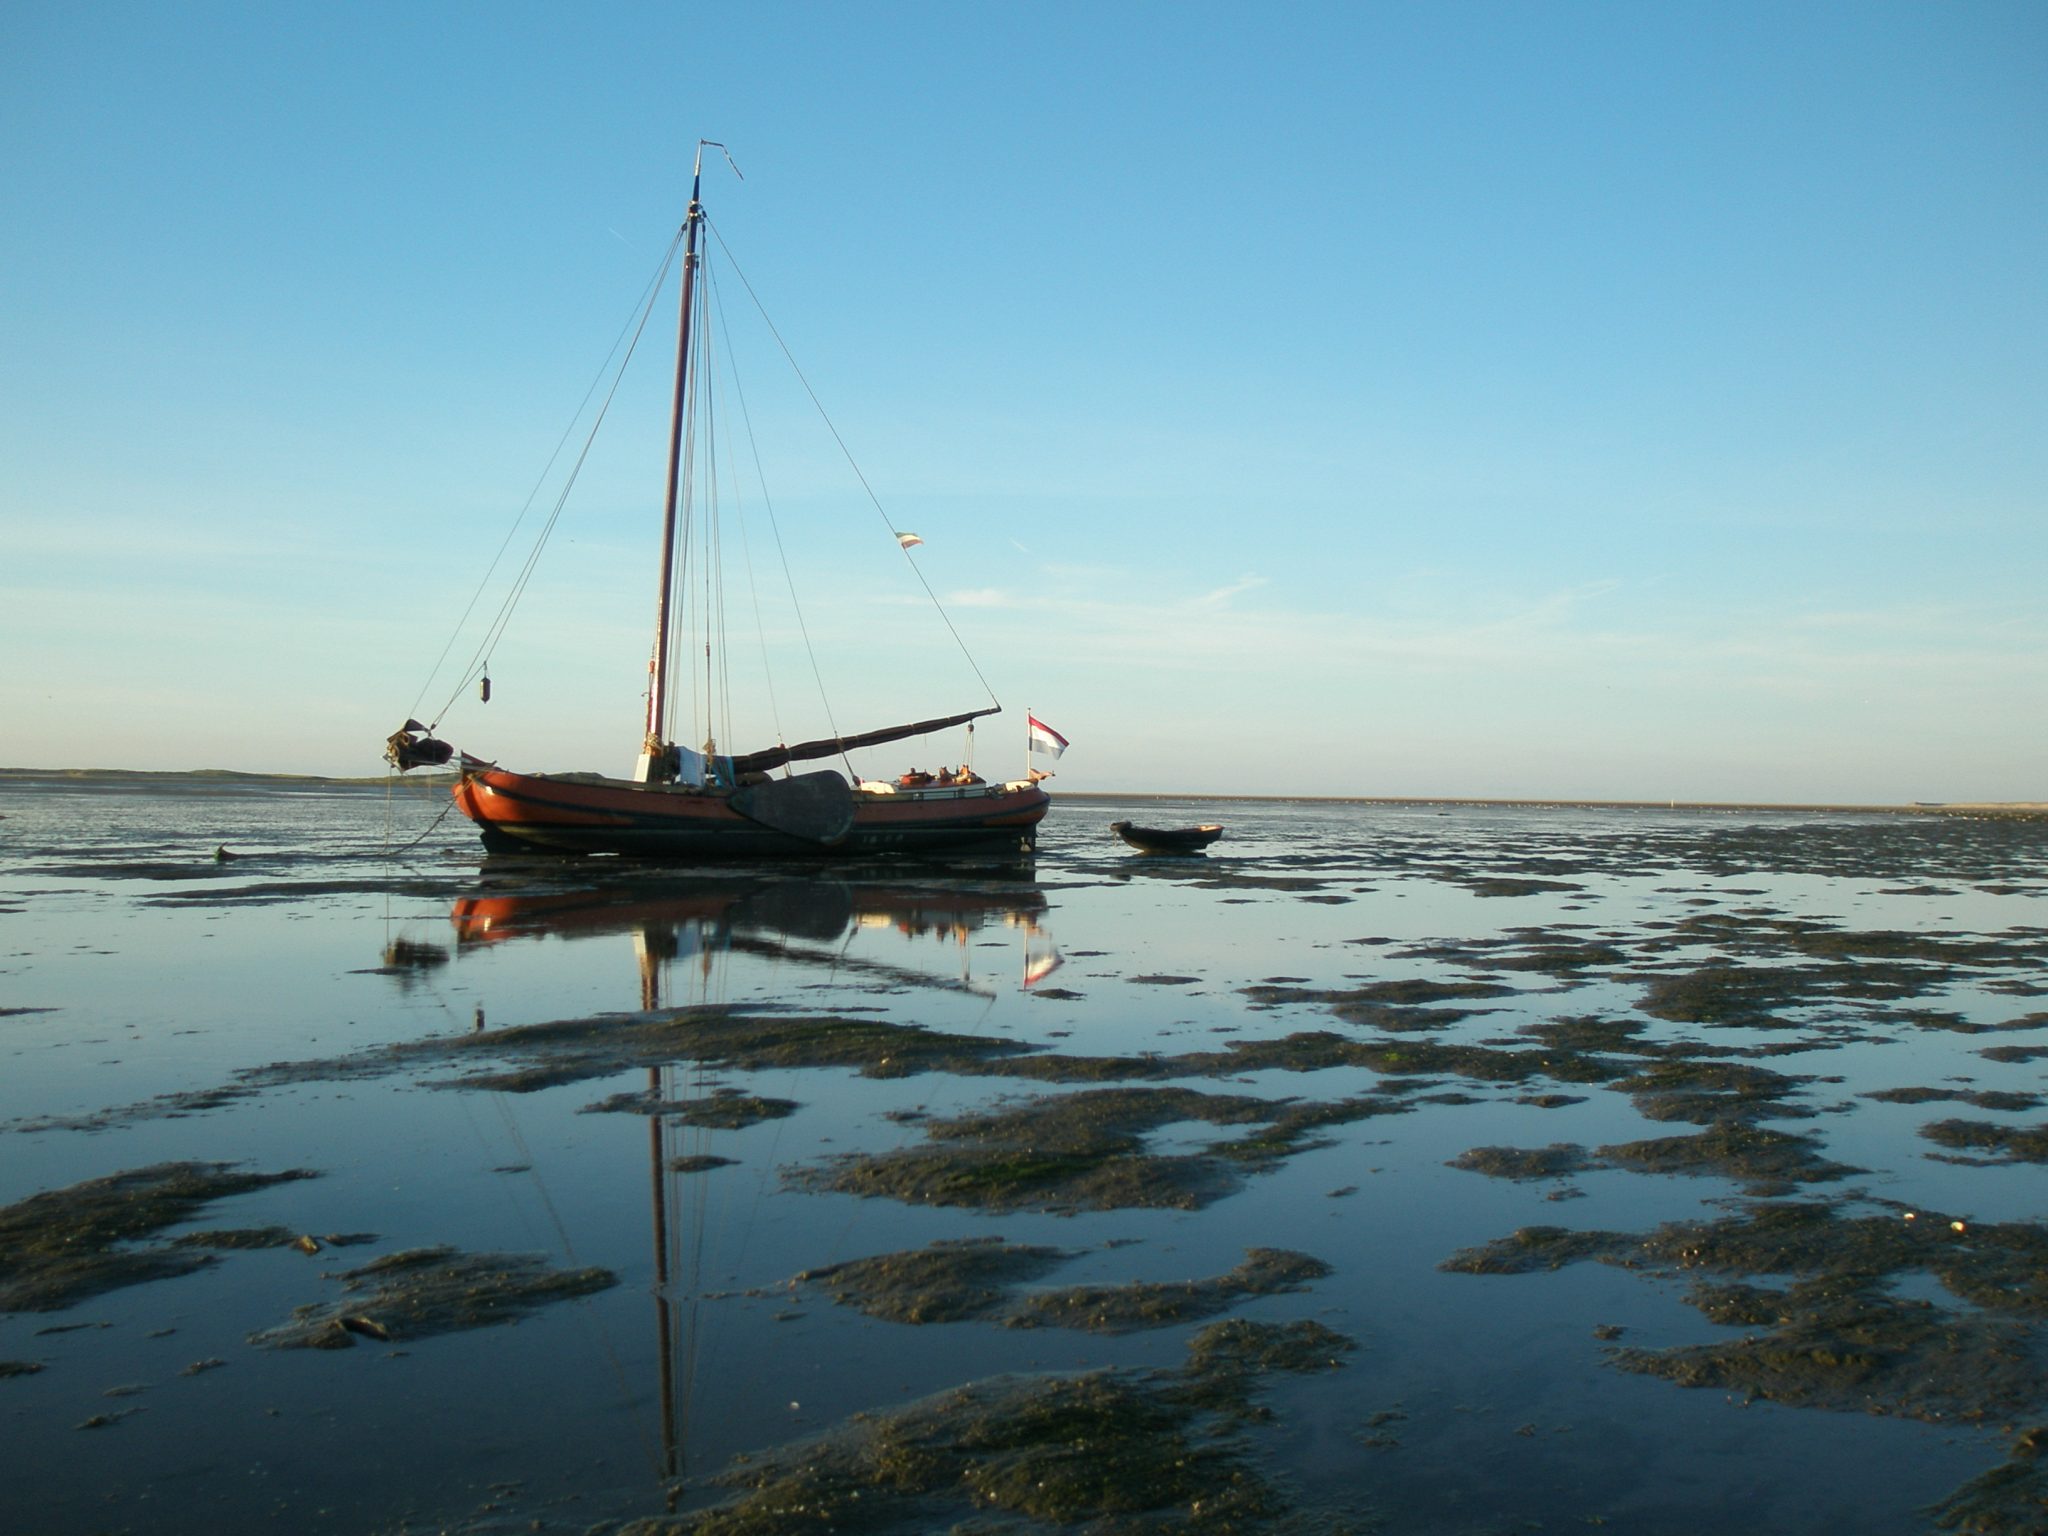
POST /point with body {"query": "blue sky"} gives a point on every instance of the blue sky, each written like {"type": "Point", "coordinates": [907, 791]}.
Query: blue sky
{"type": "Point", "coordinates": [1570, 400]}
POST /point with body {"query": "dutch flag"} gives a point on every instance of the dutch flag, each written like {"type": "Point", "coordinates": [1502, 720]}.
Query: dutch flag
{"type": "Point", "coordinates": [1045, 739]}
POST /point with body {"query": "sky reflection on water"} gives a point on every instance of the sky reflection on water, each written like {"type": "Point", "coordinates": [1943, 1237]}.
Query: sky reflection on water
{"type": "Point", "coordinates": [163, 972]}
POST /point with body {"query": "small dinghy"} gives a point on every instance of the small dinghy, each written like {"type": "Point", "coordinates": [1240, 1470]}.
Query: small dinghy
{"type": "Point", "coordinates": [1167, 839]}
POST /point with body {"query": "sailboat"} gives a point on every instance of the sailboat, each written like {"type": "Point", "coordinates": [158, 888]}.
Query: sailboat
{"type": "Point", "coordinates": [685, 804]}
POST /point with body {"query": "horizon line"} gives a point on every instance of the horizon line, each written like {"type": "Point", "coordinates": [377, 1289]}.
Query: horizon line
{"type": "Point", "coordinates": [1923, 807]}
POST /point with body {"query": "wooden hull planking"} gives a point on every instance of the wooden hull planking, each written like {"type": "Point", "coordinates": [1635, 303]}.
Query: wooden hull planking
{"type": "Point", "coordinates": [592, 815]}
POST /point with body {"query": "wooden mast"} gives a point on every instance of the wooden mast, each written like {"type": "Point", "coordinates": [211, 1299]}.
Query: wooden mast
{"type": "Point", "coordinates": [654, 747]}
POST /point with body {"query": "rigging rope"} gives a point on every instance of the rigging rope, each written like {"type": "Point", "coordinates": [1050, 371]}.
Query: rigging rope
{"type": "Point", "coordinates": [937, 606]}
{"type": "Point", "coordinates": [635, 327]}
{"type": "Point", "coordinates": [616, 361]}
{"type": "Point", "coordinates": [781, 554]}
{"type": "Point", "coordinates": [746, 544]}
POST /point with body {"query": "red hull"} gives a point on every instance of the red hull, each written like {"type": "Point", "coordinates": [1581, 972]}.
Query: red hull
{"type": "Point", "coordinates": [586, 814]}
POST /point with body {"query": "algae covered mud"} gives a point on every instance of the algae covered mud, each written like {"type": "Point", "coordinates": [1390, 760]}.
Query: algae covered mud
{"type": "Point", "coordinates": [1389, 1169]}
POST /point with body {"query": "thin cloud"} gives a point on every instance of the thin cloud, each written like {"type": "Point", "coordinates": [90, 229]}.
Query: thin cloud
{"type": "Point", "coordinates": [1246, 583]}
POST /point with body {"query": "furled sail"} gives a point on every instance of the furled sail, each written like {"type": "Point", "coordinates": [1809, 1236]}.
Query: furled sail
{"type": "Point", "coordinates": [413, 745]}
{"type": "Point", "coordinates": [831, 746]}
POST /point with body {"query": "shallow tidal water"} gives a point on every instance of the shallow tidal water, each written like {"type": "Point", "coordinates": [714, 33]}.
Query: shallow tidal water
{"type": "Point", "coordinates": [1661, 1171]}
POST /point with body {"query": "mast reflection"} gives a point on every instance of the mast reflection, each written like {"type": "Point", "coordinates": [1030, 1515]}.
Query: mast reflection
{"type": "Point", "coordinates": [841, 921]}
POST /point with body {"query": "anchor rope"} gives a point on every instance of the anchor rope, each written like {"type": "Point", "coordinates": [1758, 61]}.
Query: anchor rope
{"type": "Point", "coordinates": [392, 853]}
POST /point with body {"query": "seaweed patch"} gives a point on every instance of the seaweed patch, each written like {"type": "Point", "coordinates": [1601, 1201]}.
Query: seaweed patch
{"type": "Point", "coordinates": [424, 1291]}
{"type": "Point", "coordinates": [1837, 1336]}
{"type": "Point", "coordinates": [2009, 1500]}
{"type": "Point", "coordinates": [1122, 1449]}
{"type": "Point", "coordinates": [1558, 1160]}
{"type": "Point", "coordinates": [2009, 1143]}
{"type": "Point", "coordinates": [945, 1282]}
{"type": "Point", "coordinates": [1073, 1151]}
{"type": "Point", "coordinates": [1085, 1150]}
{"type": "Point", "coordinates": [1158, 1304]}
{"type": "Point", "coordinates": [64, 1245]}
{"type": "Point", "coordinates": [1765, 1162]}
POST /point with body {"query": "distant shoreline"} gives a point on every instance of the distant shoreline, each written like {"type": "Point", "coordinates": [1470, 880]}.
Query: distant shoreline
{"type": "Point", "coordinates": [205, 775]}
{"type": "Point", "coordinates": [2029, 808]}
{"type": "Point", "coordinates": [1527, 802]}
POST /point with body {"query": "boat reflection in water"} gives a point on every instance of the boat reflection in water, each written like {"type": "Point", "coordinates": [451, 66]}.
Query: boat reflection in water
{"type": "Point", "coordinates": [837, 921]}
{"type": "Point", "coordinates": [827, 921]}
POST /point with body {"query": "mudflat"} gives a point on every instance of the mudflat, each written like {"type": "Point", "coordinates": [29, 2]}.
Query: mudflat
{"type": "Point", "coordinates": [1389, 1167]}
